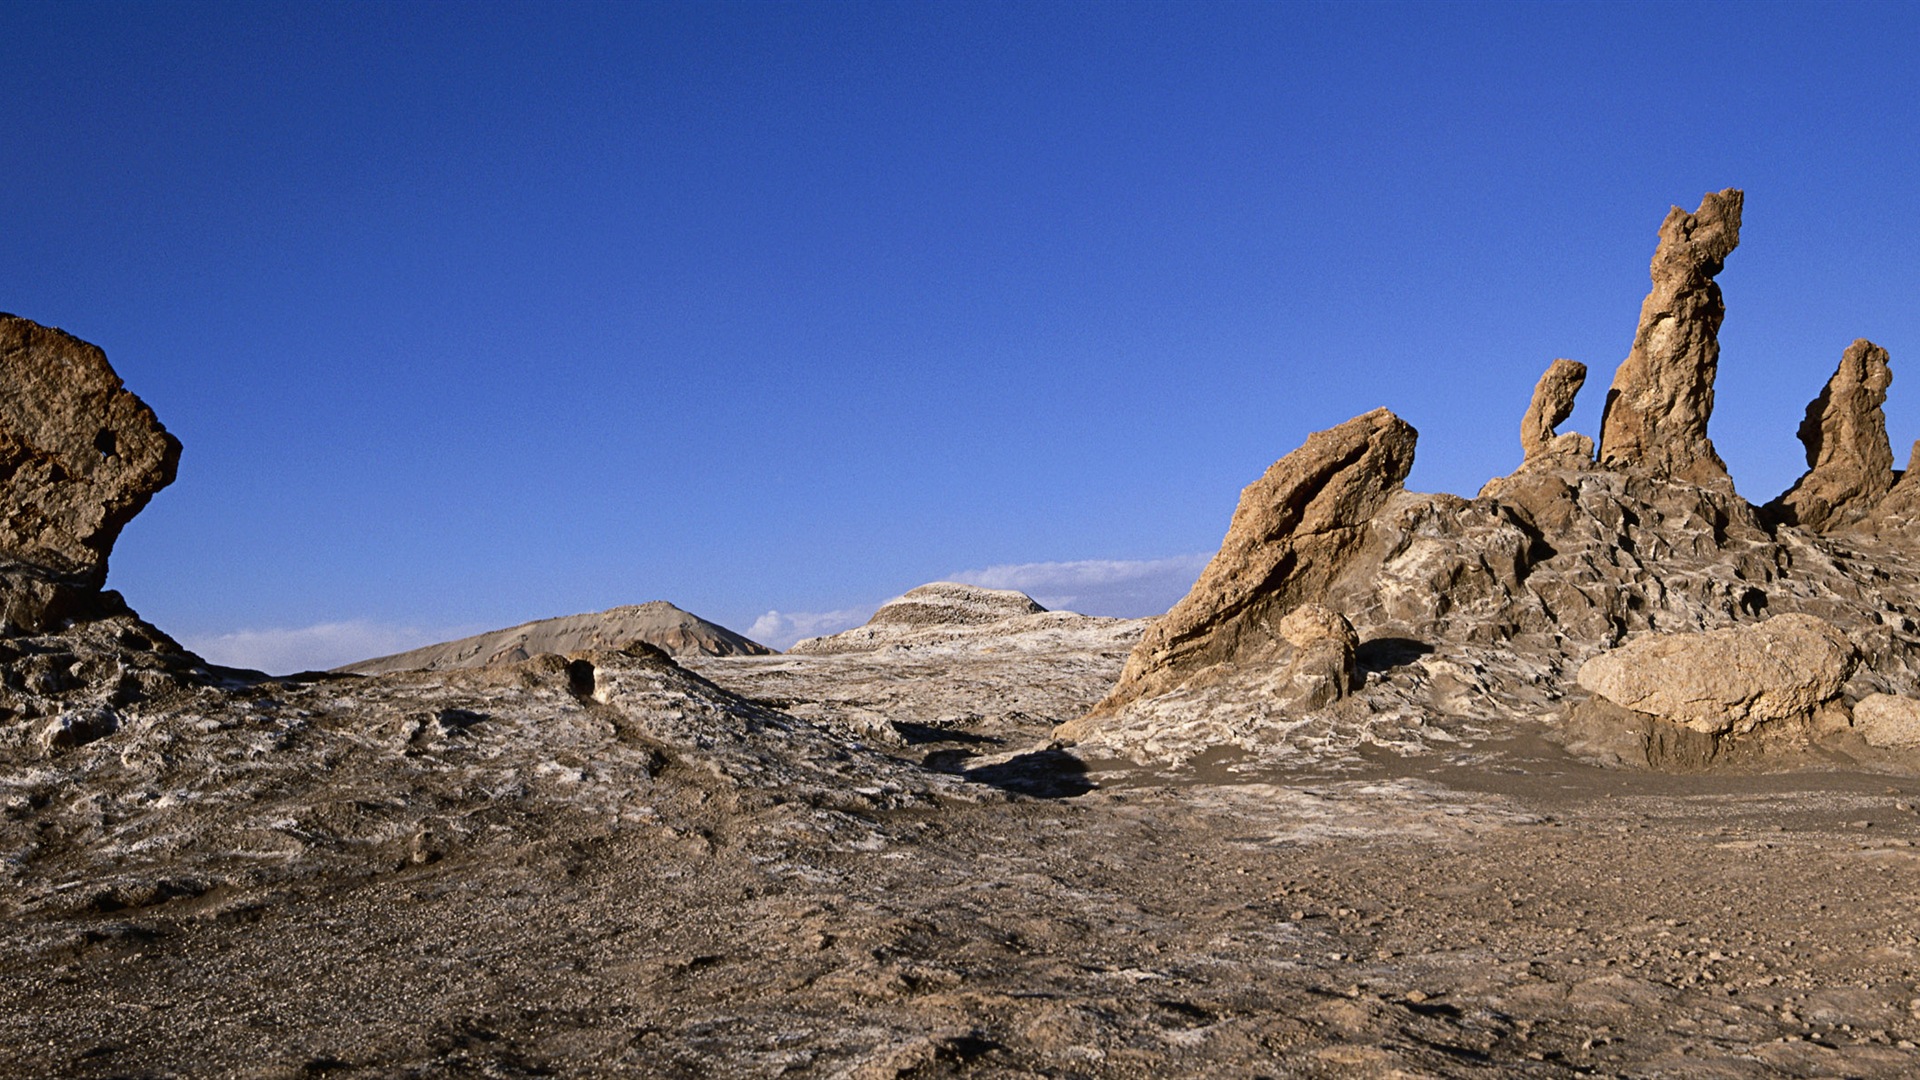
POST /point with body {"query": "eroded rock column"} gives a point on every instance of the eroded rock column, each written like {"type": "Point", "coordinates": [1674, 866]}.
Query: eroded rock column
{"type": "Point", "coordinates": [1849, 460]}
{"type": "Point", "coordinates": [1662, 395]}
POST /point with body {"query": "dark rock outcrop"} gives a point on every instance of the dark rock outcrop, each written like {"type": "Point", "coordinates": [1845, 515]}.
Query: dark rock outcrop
{"type": "Point", "coordinates": [79, 457]}
{"type": "Point", "coordinates": [1662, 395]}
{"type": "Point", "coordinates": [1849, 460]}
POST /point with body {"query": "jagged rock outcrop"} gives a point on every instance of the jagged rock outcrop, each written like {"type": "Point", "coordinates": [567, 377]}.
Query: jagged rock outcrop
{"type": "Point", "coordinates": [1662, 395]}
{"type": "Point", "coordinates": [79, 457]}
{"type": "Point", "coordinates": [1483, 611]}
{"type": "Point", "coordinates": [79, 454]}
{"type": "Point", "coordinates": [656, 622]}
{"type": "Point", "coordinates": [1727, 680]}
{"type": "Point", "coordinates": [1294, 531]}
{"type": "Point", "coordinates": [1849, 460]}
{"type": "Point", "coordinates": [1551, 405]}
{"type": "Point", "coordinates": [1899, 509]}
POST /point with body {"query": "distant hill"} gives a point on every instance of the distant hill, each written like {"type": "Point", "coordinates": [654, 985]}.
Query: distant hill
{"type": "Point", "coordinates": [656, 622]}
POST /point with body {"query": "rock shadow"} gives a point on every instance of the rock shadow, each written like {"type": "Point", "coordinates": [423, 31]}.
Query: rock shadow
{"type": "Point", "coordinates": [1043, 774]}
{"type": "Point", "coordinates": [921, 734]}
{"type": "Point", "coordinates": [1387, 653]}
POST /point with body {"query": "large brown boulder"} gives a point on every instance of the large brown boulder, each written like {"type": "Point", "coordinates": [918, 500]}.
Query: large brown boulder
{"type": "Point", "coordinates": [79, 454]}
{"type": "Point", "coordinates": [1727, 680]}
{"type": "Point", "coordinates": [1295, 529]}
{"type": "Point", "coordinates": [1662, 395]}
{"type": "Point", "coordinates": [1849, 460]}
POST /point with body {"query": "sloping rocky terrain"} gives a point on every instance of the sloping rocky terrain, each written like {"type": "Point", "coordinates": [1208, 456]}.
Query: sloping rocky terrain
{"type": "Point", "coordinates": [1605, 772]}
{"type": "Point", "coordinates": [656, 622]}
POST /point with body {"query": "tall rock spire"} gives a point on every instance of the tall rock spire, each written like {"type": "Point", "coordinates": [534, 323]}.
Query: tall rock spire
{"type": "Point", "coordinates": [1662, 395]}
{"type": "Point", "coordinates": [1849, 460]}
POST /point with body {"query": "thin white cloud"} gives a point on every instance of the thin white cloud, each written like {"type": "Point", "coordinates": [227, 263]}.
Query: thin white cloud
{"type": "Point", "coordinates": [282, 651]}
{"type": "Point", "coordinates": [1130, 588]}
{"type": "Point", "coordinates": [780, 629]}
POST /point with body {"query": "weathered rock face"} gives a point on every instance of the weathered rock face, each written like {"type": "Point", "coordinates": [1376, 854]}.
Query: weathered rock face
{"type": "Point", "coordinates": [1662, 395]}
{"type": "Point", "coordinates": [1293, 533]}
{"type": "Point", "coordinates": [1849, 460]}
{"type": "Point", "coordinates": [1899, 509]}
{"type": "Point", "coordinates": [1727, 680]}
{"type": "Point", "coordinates": [1552, 404]}
{"type": "Point", "coordinates": [79, 454]}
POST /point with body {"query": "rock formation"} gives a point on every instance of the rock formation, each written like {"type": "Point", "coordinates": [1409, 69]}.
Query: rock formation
{"type": "Point", "coordinates": [657, 623]}
{"type": "Point", "coordinates": [1849, 460]}
{"type": "Point", "coordinates": [1552, 404]}
{"type": "Point", "coordinates": [1662, 395]}
{"type": "Point", "coordinates": [1899, 508]}
{"type": "Point", "coordinates": [79, 454]}
{"type": "Point", "coordinates": [1483, 611]}
{"type": "Point", "coordinates": [1294, 531]}
{"type": "Point", "coordinates": [79, 457]}
{"type": "Point", "coordinates": [1727, 680]}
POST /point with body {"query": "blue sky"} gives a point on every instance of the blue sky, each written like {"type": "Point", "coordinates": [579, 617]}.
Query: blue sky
{"type": "Point", "coordinates": [471, 314]}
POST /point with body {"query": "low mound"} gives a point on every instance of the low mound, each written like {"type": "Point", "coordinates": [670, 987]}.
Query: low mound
{"type": "Point", "coordinates": [657, 623]}
{"type": "Point", "coordinates": [942, 606]}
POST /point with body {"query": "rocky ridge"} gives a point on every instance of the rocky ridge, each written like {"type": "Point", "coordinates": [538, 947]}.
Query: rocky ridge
{"type": "Point", "coordinates": [1474, 614]}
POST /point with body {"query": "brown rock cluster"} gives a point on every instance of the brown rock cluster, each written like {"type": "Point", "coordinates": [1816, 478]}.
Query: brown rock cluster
{"type": "Point", "coordinates": [1636, 576]}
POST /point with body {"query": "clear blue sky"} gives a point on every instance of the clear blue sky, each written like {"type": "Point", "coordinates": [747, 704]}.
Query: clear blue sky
{"type": "Point", "coordinates": [471, 314]}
